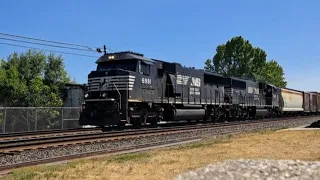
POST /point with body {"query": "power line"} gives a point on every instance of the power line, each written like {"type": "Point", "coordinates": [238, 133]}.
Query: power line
{"type": "Point", "coordinates": [65, 47]}
{"type": "Point", "coordinates": [96, 49]}
{"type": "Point", "coordinates": [36, 39]}
{"type": "Point", "coordinates": [8, 44]}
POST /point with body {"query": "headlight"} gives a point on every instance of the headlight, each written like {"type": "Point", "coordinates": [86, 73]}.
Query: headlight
{"type": "Point", "coordinates": [104, 95]}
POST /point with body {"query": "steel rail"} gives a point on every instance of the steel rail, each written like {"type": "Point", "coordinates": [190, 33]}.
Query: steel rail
{"type": "Point", "coordinates": [45, 132]}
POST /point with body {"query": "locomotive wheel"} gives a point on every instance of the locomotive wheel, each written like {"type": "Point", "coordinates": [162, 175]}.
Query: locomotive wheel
{"type": "Point", "coordinates": [143, 116]}
{"type": "Point", "coordinates": [121, 124]}
{"type": "Point", "coordinates": [136, 122]}
{"type": "Point", "coordinates": [235, 113]}
{"type": "Point", "coordinates": [247, 116]}
{"type": "Point", "coordinates": [205, 120]}
{"type": "Point", "coordinates": [206, 117]}
{"type": "Point", "coordinates": [153, 121]}
{"type": "Point", "coordinates": [219, 115]}
{"type": "Point", "coordinates": [242, 115]}
{"type": "Point", "coordinates": [209, 117]}
{"type": "Point", "coordinates": [224, 115]}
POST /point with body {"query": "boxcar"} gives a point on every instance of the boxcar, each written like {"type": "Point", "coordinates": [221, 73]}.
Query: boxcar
{"type": "Point", "coordinates": [318, 102]}
{"type": "Point", "coordinates": [306, 102]}
{"type": "Point", "coordinates": [313, 102]}
{"type": "Point", "coordinates": [292, 100]}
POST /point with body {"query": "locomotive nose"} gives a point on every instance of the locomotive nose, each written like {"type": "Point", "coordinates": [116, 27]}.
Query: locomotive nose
{"type": "Point", "coordinates": [111, 80]}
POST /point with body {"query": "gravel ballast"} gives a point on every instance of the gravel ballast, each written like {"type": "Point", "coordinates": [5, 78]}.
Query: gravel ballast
{"type": "Point", "coordinates": [38, 154]}
{"type": "Point", "coordinates": [256, 169]}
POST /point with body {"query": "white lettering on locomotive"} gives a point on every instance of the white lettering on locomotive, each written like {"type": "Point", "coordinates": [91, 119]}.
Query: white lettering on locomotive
{"type": "Point", "coordinates": [196, 82]}
{"type": "Point", "coordinates": [146, 81]}
{"type": "Point", "coordinates": [183, 80]}
{"type": "Point", "coordinates": [194, 85]}
{"type": "Point", "coordinates": [194, 91]}
{"type": "Point", "coordinates": [253, 90]}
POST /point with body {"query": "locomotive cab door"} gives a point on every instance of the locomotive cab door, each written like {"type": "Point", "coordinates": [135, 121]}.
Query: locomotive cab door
{"type": "Point", "coordinates": [148, 83]}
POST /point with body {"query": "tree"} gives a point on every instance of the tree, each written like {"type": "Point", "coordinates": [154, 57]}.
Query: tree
{"type": "Point", "coordinates": [33, 79]}
{"type": "Point", "coordinates": [238, 57]}
{"type": "Point", "coordinates": [274, 73]}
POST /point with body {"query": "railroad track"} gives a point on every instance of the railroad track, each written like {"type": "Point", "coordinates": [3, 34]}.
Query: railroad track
{"type": "Point", "coordinates": [32, 134]}
{"type": "Point", "coordinates": [59, 139]}
{"type": "Point", "coordinates": [58, 133]}
{"type": "Point", "coordinates": [18, 145]}
{"type": "Point", "coordinates": [51, 133]}
{"type": "Point", "coordinates": [14, 147]}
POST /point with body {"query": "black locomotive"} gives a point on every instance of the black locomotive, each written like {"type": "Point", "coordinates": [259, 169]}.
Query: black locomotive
{"type": "Point", "coordinates": [128, 87]}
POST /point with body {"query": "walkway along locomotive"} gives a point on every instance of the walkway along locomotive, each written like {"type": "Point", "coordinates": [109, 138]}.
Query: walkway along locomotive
{"type": "Point", "coordinates": [128, 87]}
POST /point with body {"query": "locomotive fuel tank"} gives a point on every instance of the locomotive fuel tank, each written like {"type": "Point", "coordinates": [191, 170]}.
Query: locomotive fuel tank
{"type": "Point", "coordinates": [262, 112]}
{"type": "Point", "coordinates": [292, 100]}
{"type": "Point", "coordinates": [184, 114]}
{"type": "Point", "coordinates": [189, 114]}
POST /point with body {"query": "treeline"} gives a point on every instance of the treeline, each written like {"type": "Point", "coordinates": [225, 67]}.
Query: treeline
{"type": "Point", "coordinates": [238, 57]}
{"type": "Point", "coordinates": [32, 79]}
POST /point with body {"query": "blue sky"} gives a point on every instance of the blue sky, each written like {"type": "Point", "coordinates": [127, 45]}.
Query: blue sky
{"type": "Point", "coordinates": [174, 30]}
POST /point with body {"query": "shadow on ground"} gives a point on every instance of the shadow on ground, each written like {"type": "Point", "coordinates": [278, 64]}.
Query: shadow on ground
{"type": "Point", "coordinates": [314, 125]}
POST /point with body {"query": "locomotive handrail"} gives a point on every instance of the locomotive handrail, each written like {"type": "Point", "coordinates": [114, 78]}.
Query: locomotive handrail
{"type": "Point", "coordinates": [101, 84]}
{"type": "Point", "coordinates": [118, 94]}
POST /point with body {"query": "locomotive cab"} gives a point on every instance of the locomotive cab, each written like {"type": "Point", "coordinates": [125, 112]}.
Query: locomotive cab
{"type": "Point", "coordinates": [116, 81]}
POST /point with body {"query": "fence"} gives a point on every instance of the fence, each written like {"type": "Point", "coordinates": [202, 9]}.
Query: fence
{"type": "Point", "coordinates": [22, 119]}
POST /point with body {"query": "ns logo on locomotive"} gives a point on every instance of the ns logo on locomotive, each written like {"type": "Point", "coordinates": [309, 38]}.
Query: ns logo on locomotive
{"type": "Point", "coordinates": [128, 87]}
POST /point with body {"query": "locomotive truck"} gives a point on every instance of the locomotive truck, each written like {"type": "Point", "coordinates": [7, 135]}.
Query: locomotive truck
{"type": "Point", "coordinates": [128, 87]}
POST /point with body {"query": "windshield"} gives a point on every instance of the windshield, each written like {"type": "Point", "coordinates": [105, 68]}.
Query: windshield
{"type": "Point", "coordinates": [129, 65]}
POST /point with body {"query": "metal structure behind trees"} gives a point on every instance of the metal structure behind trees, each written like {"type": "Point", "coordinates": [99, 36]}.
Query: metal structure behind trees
{"type": "Point", "coordinates": [24, 119]}
{"type": "Point", "coordinates": [73, 94]}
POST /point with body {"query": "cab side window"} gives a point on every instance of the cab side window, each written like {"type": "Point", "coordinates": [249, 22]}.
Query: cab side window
{"type": "Point", "coordinates": [144, 68]}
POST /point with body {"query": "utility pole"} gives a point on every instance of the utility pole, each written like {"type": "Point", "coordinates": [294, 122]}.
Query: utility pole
{"type": "Point", "coordinates": [104, 50]}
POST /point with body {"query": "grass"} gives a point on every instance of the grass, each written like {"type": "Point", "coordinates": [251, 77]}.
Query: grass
{"type": "Point", "coordinates": [130, 157]}
{"type": "Point", "coordinates": [167, 163]}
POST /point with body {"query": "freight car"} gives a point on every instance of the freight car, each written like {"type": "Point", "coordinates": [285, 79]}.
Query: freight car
{"type": "Point", "coordinates": [128, 87]}
{"type": "Point", "coordinates": [292, 101]}
{"type": "Point", "coordinates": [314, 103]}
